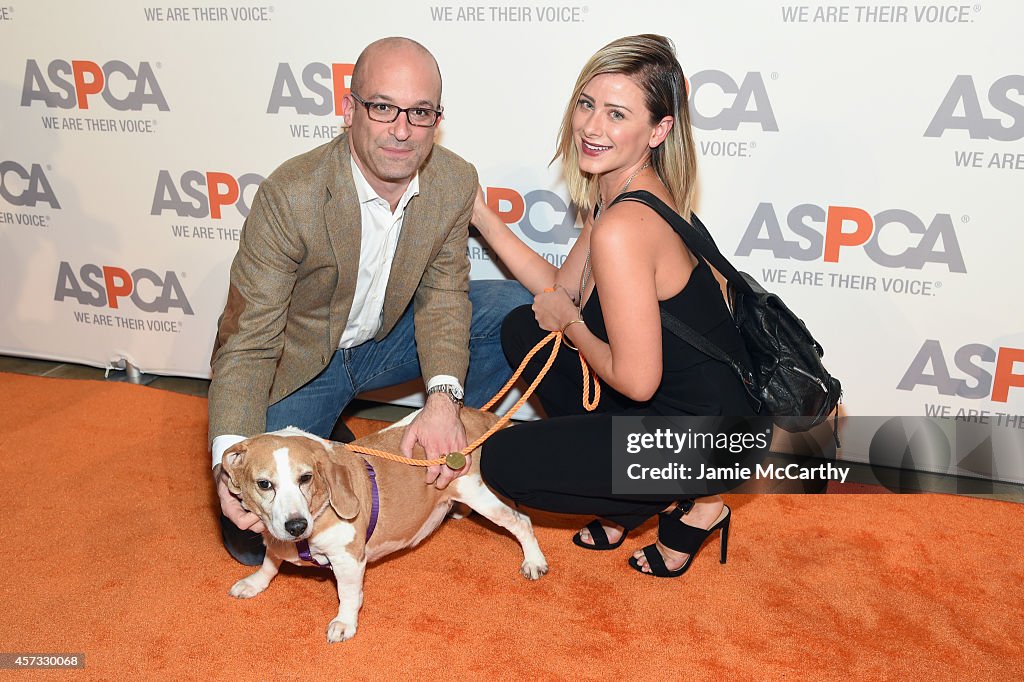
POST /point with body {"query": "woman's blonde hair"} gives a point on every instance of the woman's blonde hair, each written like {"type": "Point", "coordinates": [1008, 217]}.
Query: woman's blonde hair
{"type": "Point", "coordinates": [650, 60]}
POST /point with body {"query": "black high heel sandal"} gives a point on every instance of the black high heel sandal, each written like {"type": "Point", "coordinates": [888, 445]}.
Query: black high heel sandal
{"type": "Point", "coordinates": [599, 536]}
{"type": "Point", "coordinates": [678, 536]}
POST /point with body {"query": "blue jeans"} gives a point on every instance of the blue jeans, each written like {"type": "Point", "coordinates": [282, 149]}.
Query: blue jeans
{"type": "Point", "coordinates": [377, 364]}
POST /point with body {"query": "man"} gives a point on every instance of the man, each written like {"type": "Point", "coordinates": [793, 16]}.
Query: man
{"type": "Point", "coordinates": [352, 274]}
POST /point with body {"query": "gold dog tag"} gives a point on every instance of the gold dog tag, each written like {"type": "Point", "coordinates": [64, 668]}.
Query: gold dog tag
{"type": "Point", "coordinates": [455, 460]}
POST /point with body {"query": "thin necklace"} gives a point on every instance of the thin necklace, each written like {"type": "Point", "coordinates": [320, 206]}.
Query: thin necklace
{"type": "Point", "coordinates": [585, 275]}
{"type": "Point", "coordinates": [647, 164]}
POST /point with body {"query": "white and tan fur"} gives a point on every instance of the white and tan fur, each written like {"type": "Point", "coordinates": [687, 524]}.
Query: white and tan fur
{"type": "Point", "coordinates": [326, 486]}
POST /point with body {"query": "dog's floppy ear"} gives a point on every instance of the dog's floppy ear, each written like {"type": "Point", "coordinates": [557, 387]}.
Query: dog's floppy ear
{"type": "Point", "coordinates": [340, 478]}
{"type": "Point", "coordinates": [233, 458]}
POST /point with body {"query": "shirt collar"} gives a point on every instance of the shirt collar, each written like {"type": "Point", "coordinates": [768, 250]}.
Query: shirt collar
{"type": "Point", "coordinates": [366, 194]}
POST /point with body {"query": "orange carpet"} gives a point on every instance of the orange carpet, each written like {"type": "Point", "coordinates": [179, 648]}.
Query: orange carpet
{"type": "Point", "coordinates": [110, 547]}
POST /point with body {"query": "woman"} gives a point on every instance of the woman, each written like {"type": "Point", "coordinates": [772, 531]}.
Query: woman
{"type": "Point", "coordinates": [626, 128]}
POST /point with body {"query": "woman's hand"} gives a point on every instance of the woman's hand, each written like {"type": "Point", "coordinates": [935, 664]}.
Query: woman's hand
{"type": "Point", "coordinates": [481, 211]}
{"type": "Point", "coordinates": [554, 309]}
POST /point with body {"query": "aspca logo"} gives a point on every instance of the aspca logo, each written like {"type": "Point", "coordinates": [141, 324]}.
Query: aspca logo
{"type": "Point", "coordinates": [931, 368]}
{"type": "Point", "coordinates": [70, 84]}
{"type": "Point", "coordinates": [963, 97]}
{"type": "Point", "coordinates": [543, 216]}
{"type": "Point", "coordinates": [207, 193]}
{"type": "Point", "coordinates": [718, 102]}
{"type": "Point", "coordinates": [894, 238]}
{"type": "Point", "coordinates": [22, 187]}
{"type": "Point", "coordinates": [105, 286]}
{"type": "Point", "coordinates": [322, 89]}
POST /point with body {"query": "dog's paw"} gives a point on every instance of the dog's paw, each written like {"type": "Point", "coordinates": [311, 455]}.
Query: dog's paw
{"type": "Point", "coordinates": [339, 631]}
{"type": "Point", "coordinates": [246, 589]}
{"type": "Point", "coordinates": [532, 570]}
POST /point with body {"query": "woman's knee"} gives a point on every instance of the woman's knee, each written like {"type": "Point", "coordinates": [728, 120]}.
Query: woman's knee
{"type": "Point", "coordinates": [492, 300]}
{"type": "Point", "coordinates": [519, 333]}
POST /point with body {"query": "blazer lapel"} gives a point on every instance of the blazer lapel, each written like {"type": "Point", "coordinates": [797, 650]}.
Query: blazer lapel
{"type": "Point", "coordinates": [343, 220]}
{"type": "Point", "coordinates": [415, 245]}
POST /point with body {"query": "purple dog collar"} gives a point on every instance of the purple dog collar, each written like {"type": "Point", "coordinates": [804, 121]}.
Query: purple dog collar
{"type": "Point", "coordinates": [305, 554]}
{"type": "Point", "coordinates": [303, 547]}
{"type": "Point", "coordinates": [375, 496]}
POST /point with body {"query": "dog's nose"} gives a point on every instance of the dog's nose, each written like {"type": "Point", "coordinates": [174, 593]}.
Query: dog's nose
{"type": "Point", "coordinates": [295, 526]}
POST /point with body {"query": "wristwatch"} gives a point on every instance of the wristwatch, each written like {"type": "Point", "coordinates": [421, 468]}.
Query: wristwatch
{"type": "Point", "coordinates": [454, 393]}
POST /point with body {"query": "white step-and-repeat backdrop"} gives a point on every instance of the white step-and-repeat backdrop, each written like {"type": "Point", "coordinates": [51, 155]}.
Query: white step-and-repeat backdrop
{"type": "Point", "coordinates": [864, 160]}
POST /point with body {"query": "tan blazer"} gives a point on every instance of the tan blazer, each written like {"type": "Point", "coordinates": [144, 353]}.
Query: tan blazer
{"type": "Point", "coordinates": [294, 276]}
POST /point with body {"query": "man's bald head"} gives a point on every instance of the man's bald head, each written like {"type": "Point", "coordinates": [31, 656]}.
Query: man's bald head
{"type": "Point", "coordinates": [395, 47]}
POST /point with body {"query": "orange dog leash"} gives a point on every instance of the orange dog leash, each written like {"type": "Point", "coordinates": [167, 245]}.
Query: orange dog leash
{"type": "Point", "coordinates": [457, 460]}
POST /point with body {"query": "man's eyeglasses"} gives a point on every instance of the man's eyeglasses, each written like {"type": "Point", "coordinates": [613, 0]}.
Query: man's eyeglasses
{"type": "Point", "coordinates": [383, 112]}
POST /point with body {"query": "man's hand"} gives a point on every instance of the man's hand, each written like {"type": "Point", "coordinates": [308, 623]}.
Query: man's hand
{"type": "Point", "coordinates": [231, 506]}
{"type": "Point", "coordinates": [438, 430]}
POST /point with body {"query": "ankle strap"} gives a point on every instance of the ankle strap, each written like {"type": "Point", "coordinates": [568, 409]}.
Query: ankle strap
{"type": "Point", "coordinates": [683, 508]}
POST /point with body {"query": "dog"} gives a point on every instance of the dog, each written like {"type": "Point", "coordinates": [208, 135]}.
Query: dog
{"type": "Point", "coordinates": [311, 491]}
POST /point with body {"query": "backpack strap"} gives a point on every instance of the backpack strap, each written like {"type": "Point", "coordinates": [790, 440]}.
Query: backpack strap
{"type": "Point", "coordinates": [695, 236]}
{"type": "Point", "coordinates": [691, 336]}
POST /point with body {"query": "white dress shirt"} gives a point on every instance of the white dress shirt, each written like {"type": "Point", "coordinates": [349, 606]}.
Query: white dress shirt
{"type": "Point", "coordinates": [379, 241]}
